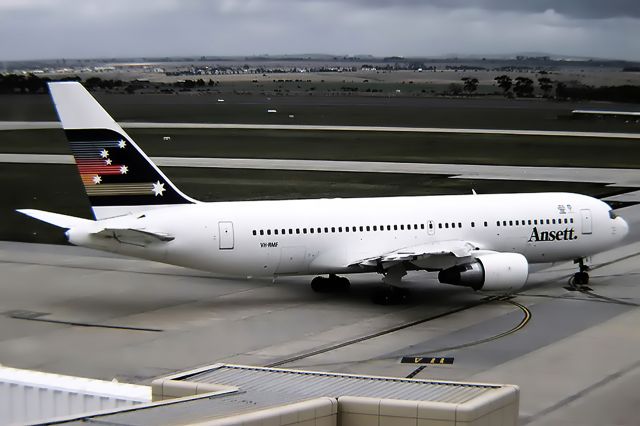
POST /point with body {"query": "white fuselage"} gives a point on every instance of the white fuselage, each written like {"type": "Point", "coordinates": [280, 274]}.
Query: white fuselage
{"type": "Point", "coordinates": [264, 238]}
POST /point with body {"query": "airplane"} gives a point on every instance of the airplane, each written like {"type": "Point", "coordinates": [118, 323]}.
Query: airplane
{"type": "Point", "coordinates": [485, 242]}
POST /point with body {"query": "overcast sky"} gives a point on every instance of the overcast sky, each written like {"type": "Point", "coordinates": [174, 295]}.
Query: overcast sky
{"type": "Point", "coordinates": [34, 29]}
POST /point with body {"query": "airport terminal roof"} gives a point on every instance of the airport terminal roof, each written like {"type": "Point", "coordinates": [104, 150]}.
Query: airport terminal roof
{"type": "Point", "coordinates": [245, 389]}
{"type": "Point", "coordinates": [309, 384]}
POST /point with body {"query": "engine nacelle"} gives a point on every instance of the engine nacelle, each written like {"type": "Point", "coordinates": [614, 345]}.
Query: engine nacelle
{"type": "Point", "coordinates": [491, 272]}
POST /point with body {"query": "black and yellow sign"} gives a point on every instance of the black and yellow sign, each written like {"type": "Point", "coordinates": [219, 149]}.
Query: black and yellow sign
{"type": "Point", "coordinates": [426, 360]}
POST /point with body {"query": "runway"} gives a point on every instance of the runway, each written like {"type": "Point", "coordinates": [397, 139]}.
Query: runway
{"type": "Point", "coordinates": [625, 178]}
{"type": "Point", "coordinates": [34, 125]}
{"type": "Point", "coordinates": [80, 312]}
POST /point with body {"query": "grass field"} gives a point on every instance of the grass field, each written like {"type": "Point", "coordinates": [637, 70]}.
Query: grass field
{"type": "Point", "coordinates": [332, 110]}
{"type": "Point", "coordinates": [363, 146]}
{"type": "Point", "coordinates": [58, 188]}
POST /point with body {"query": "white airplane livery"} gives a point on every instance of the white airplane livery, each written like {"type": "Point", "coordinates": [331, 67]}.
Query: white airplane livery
{"type": "Point", "coordinates": [485, 242]}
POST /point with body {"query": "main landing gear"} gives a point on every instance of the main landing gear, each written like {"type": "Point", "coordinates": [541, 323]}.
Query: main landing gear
{"type": "Point", "coordinates": [329, 285]}
{"type": "Point", "coordinates": [392, 293]}
{"type": "Point", "coordinates": [580, 278]}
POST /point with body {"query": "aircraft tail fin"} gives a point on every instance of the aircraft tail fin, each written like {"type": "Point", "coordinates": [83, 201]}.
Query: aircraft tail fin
{"type": "Point", "coordinates": [118, 176]}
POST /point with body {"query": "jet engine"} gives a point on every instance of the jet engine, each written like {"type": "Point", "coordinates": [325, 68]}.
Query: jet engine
{"type": "Point", "coordinates": [490, 272]}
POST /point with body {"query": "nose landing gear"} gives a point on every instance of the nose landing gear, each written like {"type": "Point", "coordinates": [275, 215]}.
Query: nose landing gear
{"type": "Point", "coordinates": [580, 278]}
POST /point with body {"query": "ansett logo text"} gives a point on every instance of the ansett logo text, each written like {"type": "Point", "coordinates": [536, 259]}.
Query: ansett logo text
{"type": "Point", "coordinates": [564, 235]}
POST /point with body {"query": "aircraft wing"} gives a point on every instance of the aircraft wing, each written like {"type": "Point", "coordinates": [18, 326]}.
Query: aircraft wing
{"type": "Point", "coordinates": [436, 255]}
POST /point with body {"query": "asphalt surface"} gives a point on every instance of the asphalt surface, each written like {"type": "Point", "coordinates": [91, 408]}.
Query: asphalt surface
{"type": "Point", "coordinates": [626, 178]}
{"type": "Point", "coordinates": [34, 125]}
{"type": "Point", "coordinates": [80, 312]}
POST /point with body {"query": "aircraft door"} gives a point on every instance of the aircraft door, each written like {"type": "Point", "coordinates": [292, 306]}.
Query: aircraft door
{"type": "Point", "coordinates": [226, 235]}
{"type": "Point", "coordinates": [586, 221]}
{"type": "Point", "coordinates": [431, 228]}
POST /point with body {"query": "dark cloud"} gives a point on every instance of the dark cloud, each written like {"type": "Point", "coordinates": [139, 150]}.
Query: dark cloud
{"type": "Point", "coordinates": [591, 9]}
{"type": "Point", "coordinates": [98, 28]}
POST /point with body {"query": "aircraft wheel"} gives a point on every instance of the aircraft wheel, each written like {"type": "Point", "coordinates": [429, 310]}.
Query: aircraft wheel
{"type": "Point", "coordinates": [319, 284]}
{"type": "Point", "coordinates": [581, 278]}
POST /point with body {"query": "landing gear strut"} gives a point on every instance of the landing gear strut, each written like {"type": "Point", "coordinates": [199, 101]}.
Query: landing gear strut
{"type": "Point", "coordinates": [580, 278]}
{"type": "Point", "coordinates": [332, 284]}
{"type": "Point", "coordinates": [391, 295]}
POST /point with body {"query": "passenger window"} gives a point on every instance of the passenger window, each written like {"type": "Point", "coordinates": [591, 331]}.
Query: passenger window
{"type": "Point", "coordinates": [529, 222]}
{"type": "Point", "coordinates": [440, 225]}
{"type": "Point", "coordinates": [553, 221]}
{"type": "Point", "coordinates": [446, 225]}
{"type": "Point", "coordinates": [311, 230]}
{"type": "Point", "coordinates": [297, 230]}
{"type": "Point", "coordinates": [375, 228]}
{"type": "Point", "coordinates": [422, 226]}
{"type": "Point", "coordinates": [354, 229]}
{"type": "Point", "coordinates": [453, 225]}
{"type": "Point", "coordinates": [290, 231]}
{"type": "Point", "coordinates": [517, 223]}
{"type": "Point", "coordinates": [326, 230]}
{"type": "Point", "coordinates": [459, 224]}
{"type": "Point", "coordinates": [565, 220]}
{"type": "Point", "coordinates": [333, 229]}
{"type": "Point", "coordinates": [346, 229]}
{"type": "Point", "coordinates": [430, 225]}
{"type": "Point", "coordinates": [395, 227]}
{"type": "Point", "coordinates": [261, 232]}
{"type": "Point", "coordinates": [504, 223]}
{"type": "Point", "coordinates": [361, 229]}
{"type": "Point", "coordinates": [402, 227]}
{"type": "Point", "coordinates": [473, 224]}
{"type": "Point", "coordinates": [510, 223]}
{"type": "Point", "coordinates": [339, 228]}
{"type": "Point", "coordinates": [319, 230]}
{"type": "Point", "coordinates": [497, 223]}
{"type": "Point", "coordinates": [275, 231]}
{"type": "Point", "coordinates": [485, 224]}
{"type": "Point", "coordinates": [535, 221]}
{"type": "Point", "coordinates": [547, 221]}
{"type": "Point", "coordinates": [254, 232]}
{"type": "Point", "coordinates": [304, 230]}
{"type": "Point", "coordinates": [368, 228]}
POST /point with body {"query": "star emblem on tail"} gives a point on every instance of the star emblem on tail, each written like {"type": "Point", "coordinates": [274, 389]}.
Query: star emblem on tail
{"type": "Point", "coordinates": [158, 188]}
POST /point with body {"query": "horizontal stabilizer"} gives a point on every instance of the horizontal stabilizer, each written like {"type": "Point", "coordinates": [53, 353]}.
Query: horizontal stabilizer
{"type": "Point", "coordinates": [61, 220]}
{"type": "Point", "coordinates": [138, 237]}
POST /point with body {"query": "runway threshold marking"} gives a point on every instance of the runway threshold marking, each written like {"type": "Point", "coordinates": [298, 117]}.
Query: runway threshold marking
{"type": "Point", "coordinates": [37, 316]}
{"type": "Point", "coordinates": [383, 332]}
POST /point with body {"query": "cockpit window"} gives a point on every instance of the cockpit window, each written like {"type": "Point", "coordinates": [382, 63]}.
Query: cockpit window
{"type": "Point", "coordinates": [612, 214]}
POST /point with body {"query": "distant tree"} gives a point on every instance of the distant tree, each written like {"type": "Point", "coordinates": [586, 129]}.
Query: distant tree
{"type": "Point", "coordinates": [561, 91]}
{"type": "Point", "coordinates": [504, 82]}
{"type": "Point", "coordinates": [454, 89]}
{"type": "Point", "coordinates": [546, 85]}
{"type": "Point", "coordinates": [523, 87]}
{"type": "Point", "coordinates": [200, 82]}
{"type": "Point", "coordinates": [470, 84]}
